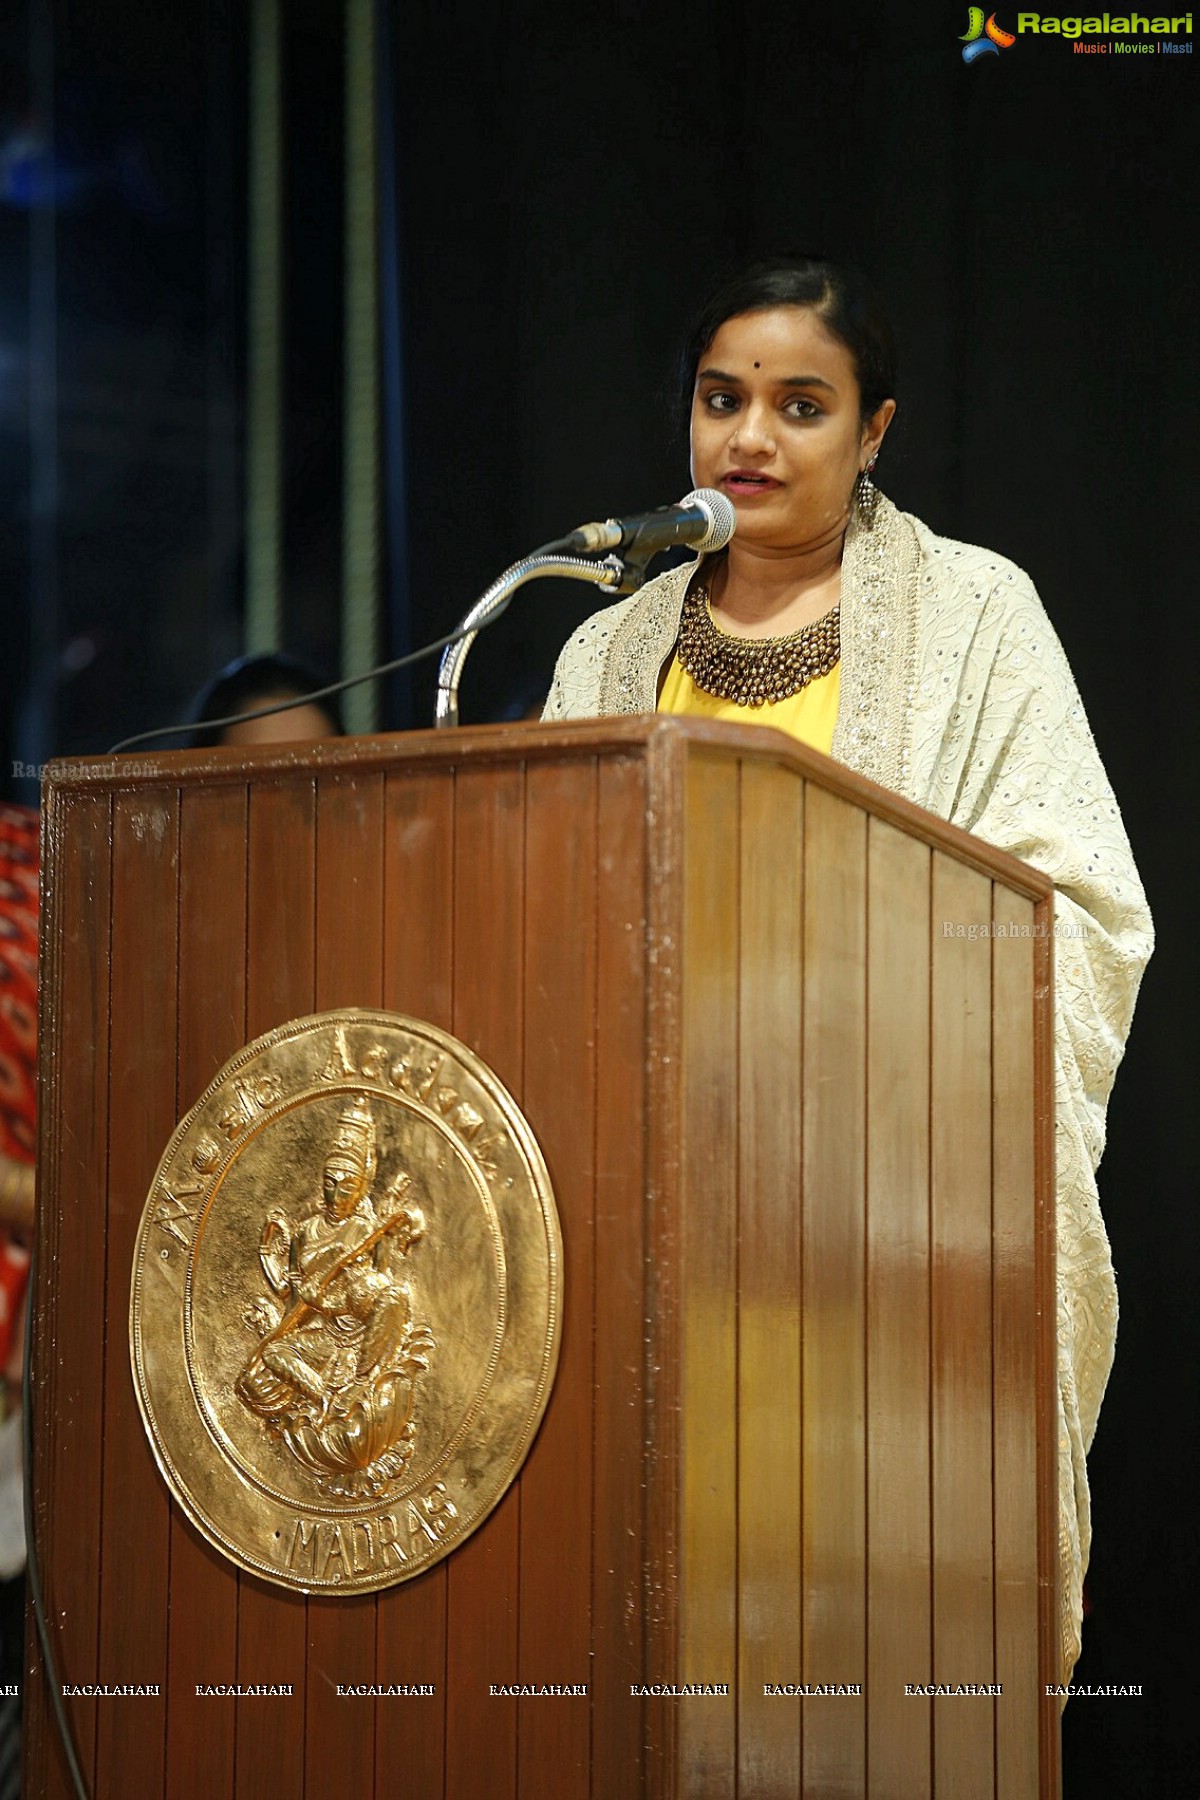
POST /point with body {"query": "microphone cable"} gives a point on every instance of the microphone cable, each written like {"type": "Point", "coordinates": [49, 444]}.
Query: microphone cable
{"type": "Point", "coordinates": [262, 712]}
{"type": "Point", "coordinates": [716, 514]}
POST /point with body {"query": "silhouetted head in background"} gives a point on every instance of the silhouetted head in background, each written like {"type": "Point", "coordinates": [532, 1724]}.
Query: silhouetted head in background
{"type": "Point", "coordinates": [256, 681]}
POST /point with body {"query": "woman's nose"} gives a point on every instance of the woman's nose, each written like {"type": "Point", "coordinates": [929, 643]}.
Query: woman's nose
{"type": "Point", "coordinates": [754, 430]}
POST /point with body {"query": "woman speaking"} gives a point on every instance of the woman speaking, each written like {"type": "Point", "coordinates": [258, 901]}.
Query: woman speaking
{"type": "Point", "coordinates": [928, 666]}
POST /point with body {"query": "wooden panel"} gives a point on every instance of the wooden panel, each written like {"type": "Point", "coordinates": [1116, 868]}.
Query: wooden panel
{"type": "Point", "coordinates": [961, 1326]}
{"type": "Point", "coordinates": [665, 1274]}
{"type": "Point", "coordinates": [280, 923]}
{"type": "Point", "coordinates": [1046, 1356]}
{"type": "Point", "coordinates": [898, 1512]}
{"type": "Point", "coordinates": [484, 1575]}
{"type": "Point", "coordinates": [212, 1027]}
{"type": "Point", "coordinates": [68, 1376]}
{"type": "Point", "coordinates": [339, 1731]}
{"type": "Point", "coordinates": [339, 1740]}
{"type": "Point", "coordinates": [134, 1519]}
{"type": "Point", "coordinates": [769, 1188]}
{"type": "Point", "coordinates": [489, 915]}
{"type": "Point", "coordinates": [834, 1374]}
{"type": "Point", "coordinates": [349, 891]}
{"type": "Point", "coordinates": [622, 1325]}
{"type": "Point", "coordinates": [535, 934]}
{"type": "Point", "coordinates": [555, 1625]}
{"type": "Point", "coordinates": [418, 898]}
{"type": "Point", "coordinates": [418, 938]}
{"type": "Point", "coordinates": [272, 1630]}
{"type": "Point", "coordinates": [1014, 1338]}
{"type": "Point", "coordinates": [708, 1394]}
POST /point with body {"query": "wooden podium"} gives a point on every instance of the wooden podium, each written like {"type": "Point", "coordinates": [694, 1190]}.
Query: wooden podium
{"type": "Point", "coordinates": [785, 1042]}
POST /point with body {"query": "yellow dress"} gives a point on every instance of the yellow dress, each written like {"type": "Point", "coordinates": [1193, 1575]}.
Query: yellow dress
{"type": "Point", "coordinates": [808, 716]}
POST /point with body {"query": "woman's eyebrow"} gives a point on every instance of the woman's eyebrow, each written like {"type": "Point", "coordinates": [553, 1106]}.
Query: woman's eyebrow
{"type": "Point", "coordinates": [788, 380]}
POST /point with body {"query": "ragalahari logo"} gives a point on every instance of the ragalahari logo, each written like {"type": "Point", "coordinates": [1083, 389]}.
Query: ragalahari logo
{"type": "Point", "coordinates": [984, 39]}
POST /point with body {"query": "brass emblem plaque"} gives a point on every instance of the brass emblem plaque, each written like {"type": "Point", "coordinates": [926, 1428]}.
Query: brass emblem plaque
{"type": "Point", "coordinates": [346, 1301]}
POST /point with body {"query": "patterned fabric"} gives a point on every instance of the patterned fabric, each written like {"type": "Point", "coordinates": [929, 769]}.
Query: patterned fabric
{"type": "Point", "coordinates": [18, 980]}
{"type": "Point", "coordinates": [956, 694]}
{"type": "Point", "coordinates": [18, 1051]}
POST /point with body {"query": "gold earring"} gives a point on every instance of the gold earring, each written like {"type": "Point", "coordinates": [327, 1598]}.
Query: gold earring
{"type": "Point", "coordinates": [866, 494]}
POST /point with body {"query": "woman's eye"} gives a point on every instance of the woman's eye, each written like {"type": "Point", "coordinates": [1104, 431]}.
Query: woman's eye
{"type": "Point", "coordinates": [802, 409]}
{"type": "Point", "coordinates": [717, 402]}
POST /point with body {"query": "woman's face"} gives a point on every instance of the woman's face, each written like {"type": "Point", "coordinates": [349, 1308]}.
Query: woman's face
{"type": "Point", "coordinates": [776, 426]}
{"type": "Point", "coordinates": [306, 724]}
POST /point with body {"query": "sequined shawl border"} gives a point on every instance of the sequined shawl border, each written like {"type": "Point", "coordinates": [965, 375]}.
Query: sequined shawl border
{"type": "Point", "coordinates": [642, 642]}
{"type": "Point", "coordinates": [881, 573]}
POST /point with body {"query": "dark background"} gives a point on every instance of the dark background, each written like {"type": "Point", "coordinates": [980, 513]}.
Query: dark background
{"type": "Point", "coordinates": [563, 185]}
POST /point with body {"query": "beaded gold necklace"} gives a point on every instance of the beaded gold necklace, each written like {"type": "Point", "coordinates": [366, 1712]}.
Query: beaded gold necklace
{"type": "Point", "coordinates": [753, 671]}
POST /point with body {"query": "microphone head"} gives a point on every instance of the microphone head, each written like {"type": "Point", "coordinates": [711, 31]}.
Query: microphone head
{"type": "Point", "coordinates": [718, 510]}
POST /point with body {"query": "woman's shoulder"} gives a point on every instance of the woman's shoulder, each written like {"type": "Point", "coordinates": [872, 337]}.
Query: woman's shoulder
{"type": "Point", "coordinates": [980, 613]}
{"type": "Point", "coordinates": [602, 624]}
{"type": "Point", "coordinates": [967, 588]}
{"type": "Point", "coordinates": [598, 627]}
{"type": "Point", "coordinates": [583, 661]}
{"type": "Point", "coordinates": [968, 566]}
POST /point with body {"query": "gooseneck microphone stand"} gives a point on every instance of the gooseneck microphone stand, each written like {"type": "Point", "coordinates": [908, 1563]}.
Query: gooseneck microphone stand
{"type": "Point", "coordinates": [617, 575]}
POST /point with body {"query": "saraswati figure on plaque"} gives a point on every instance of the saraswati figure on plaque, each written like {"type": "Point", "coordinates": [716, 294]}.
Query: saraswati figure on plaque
{"type": "Point", "coordinates": [339, 1351]}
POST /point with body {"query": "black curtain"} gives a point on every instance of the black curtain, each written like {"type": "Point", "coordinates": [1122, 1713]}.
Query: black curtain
{"type": "Point", "coordinates": [570, 183]}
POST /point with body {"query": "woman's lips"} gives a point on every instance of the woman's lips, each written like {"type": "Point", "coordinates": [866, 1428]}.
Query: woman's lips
{"type": "Point", "coordinates": [743, 484]}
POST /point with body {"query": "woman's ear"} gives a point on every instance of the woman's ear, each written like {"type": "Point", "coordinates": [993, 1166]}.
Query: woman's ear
{"type": "Point", "coordinates": [875, 430]}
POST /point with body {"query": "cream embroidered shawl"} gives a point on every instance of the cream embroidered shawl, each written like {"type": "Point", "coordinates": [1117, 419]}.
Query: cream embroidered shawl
{"type": "Point", "coordinates": [956, 694]}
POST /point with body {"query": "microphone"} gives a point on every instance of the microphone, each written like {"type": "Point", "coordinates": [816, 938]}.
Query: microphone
{"type": "Point", "coordinates": [705, 519]}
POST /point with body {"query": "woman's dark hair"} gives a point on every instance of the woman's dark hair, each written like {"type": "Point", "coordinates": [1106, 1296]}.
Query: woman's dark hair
{"type": "Point", "coordinates": [841, 299]}
{"type": "Point", "coordinates": [251, 682]}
